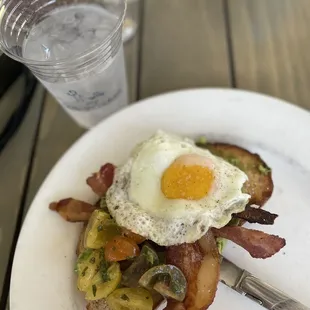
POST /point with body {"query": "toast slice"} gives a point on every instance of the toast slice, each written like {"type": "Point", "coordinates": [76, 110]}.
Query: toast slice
{"type": "Point", "coordinates": [259, 184]}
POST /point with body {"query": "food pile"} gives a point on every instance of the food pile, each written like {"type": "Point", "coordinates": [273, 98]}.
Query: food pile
{"type": "Point", "coordinates": [156, 233]}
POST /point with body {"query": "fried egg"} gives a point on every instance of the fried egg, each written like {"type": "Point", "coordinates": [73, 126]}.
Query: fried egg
{"type": "Point", "coordinates": [171, 191]}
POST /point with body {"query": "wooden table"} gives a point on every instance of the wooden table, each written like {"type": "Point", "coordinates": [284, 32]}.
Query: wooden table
{"type": "Point", "coordinates": [250, 44]}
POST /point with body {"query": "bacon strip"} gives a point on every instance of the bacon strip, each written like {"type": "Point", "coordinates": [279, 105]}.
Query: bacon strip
{"type": "Point", "coordinates": [101, 180]}
{"type": "Point", "coordinates": [256, 215]}
{"type": "Point", "coordinates": [73, 210]}
{"type": "Point", "coordinates": [257, 243]}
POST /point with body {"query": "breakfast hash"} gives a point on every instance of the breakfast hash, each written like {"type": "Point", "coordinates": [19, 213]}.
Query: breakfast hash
{"type": "Point", "coordinates": [156, 233]}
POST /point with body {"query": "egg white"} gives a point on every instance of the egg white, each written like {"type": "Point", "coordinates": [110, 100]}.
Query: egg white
{"type": "Point", "coordinates": [136, 201]}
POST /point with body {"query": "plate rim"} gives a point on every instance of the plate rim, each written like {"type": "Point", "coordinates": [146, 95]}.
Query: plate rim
{"type": "Point", "coordinates": [86, 135]}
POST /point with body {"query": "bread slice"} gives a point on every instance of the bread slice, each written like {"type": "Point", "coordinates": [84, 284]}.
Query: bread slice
{"type": "Point", "coordinates": [259, 184]}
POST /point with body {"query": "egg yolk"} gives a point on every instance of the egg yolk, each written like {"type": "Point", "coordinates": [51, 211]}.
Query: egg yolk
{"type": "Point", "coordinates": [188, 177]}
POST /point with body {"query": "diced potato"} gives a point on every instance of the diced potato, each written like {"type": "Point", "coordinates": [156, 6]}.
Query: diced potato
{"type": "Point", "coordinates": [100, 230]}
{"type": "Point", "coordinates": [104, 283]}
{"type": "Point", "coordinates": [87, 266]}
{"type": "Point", "coordinates": [130, 299]}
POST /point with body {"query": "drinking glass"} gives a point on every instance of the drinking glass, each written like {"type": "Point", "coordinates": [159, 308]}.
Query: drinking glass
{"type": "Point", "coordinates": [131, 20]}
{"type": "Point", "coordinates": [74, 47]}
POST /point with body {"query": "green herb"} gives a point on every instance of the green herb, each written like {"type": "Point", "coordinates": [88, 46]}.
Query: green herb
{"type": "Point", "coordinates": [221, 242]}
{"type": "Point", "coordinates": [76, 268]}
{"type": "Point", "coordinates": [234, 161]}
{"type": "Point", "coordinates": [264, 169]}
{"type": "Point", "coordinates": [85, 255]}
{"type": "Point", "coordinates": [125, 297]}
{"type": "Point", "coordinates": [234, 222]}
{"type": "Point", "coordinates": [176, 287]}
{"type": "Point", "coordinates": [92, 260]}
{"type": "Point", "coordinates": [202, 140]}
{"type": "Point", "coordinates": [84, 272]}
{"type": "Point", "coordinates": [94, 287]}
{"type": "Point", "coordinates": [100, 228]}
{"type": "Point", "coordinates": [101, 254]}
{"type": "Point", "coordinates": [104, 266]}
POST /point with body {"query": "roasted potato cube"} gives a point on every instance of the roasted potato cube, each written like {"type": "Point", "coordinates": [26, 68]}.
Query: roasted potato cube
{"type": "Point", "coordinates": [104, 282]}
{"type": "Point", "coordinates": [100, 230]}
{"type": "Point", "coordinates": [130, 299]}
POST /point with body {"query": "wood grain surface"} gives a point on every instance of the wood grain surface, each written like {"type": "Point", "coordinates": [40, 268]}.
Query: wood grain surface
{"type": "Point", "coordinates": [271, 48]}
{"type": "Point", "coordinates": [56, 135]}
{"type": "Point", "coordinates": [259, 45]}
{"type": "Point", "coordinates": [183, 45]}
{"type": "Point", "coordinates": [14, 163]}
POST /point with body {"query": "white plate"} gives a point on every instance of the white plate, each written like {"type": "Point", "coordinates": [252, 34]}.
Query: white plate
{"type": "Point", "coordinates": [43, 278]}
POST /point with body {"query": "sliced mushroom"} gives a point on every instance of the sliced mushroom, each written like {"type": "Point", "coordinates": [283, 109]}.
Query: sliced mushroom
{"type": "Point", "coordinates": [167, 280]}
{"type": "Point", "coordinates": [146, 260]}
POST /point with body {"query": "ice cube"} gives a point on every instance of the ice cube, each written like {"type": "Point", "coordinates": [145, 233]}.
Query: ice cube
{"type": "Point", "coordinates": [46, 52]}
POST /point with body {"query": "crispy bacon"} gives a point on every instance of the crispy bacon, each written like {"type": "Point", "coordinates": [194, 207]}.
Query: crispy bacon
{"type": "Point", "coordinates": [257, 243]}
{"type": "Point", "coordinates": [73, 210]}
{"type": "Point", "coordinates": [256, 215]}
{"type": "Point", "coordinates": [102, 180]}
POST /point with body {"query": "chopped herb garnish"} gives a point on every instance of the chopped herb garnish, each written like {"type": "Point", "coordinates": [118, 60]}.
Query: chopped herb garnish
{"type": "Point", "coordinates": [176, 287]}
{"type": "Point", "coordinates": [202, 140]}
{"type": "Point", "coordinates": [100, 228]}
{"type": "Point", "coordinates": [84, 272]}
{"type": "Point", "coordinates": [85, 255]}
{"type": "Point", "coordinates": [264, 169]}
{"type": "Point", "coordinates": [220, 243]}
{"type": "Point", "coordinates": [113, 248]}
{"type": "Point", "coordinates": [234, 222]}
{"type": "Point", "coordinates": [104, 266]}
{"type": "Point", "coordinates": [101, 254]}
{"type": "Point", "coordinates": [92, 260]}
{"type": "Point", "coordinates": [125, 297]}
{"type": "Point", "coordinates": [234, 161]}
{"type": "Point", "coordinates": [94, 287]}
